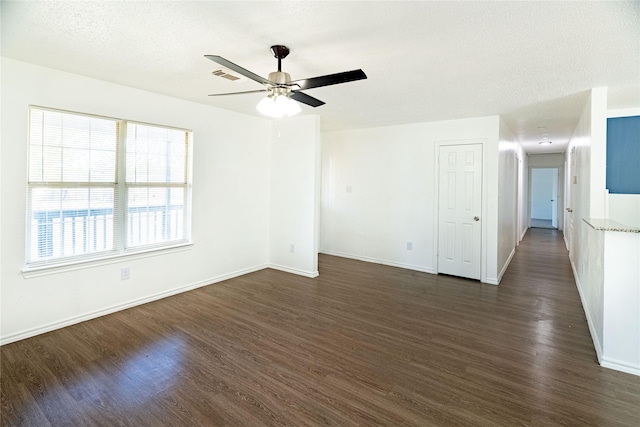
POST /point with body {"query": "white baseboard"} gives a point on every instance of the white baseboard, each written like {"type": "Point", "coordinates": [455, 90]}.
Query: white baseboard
{"type": "Point", "coordinates": [592, 330]}
{"type": "Point", "coordinates": [506, 265]}
{"type": "Point", "coordinates": [524, 232]}
{"type": "Point", "coordinates": [380, 261]}
{"type": "Point", "coordinates": [620, 366]}
{"type": "Point", "coordinates": [304, 273]}
{"type": "Point", "coordinates": [119, 307]}
{"type": "Point", "coordinates": [490, 281]}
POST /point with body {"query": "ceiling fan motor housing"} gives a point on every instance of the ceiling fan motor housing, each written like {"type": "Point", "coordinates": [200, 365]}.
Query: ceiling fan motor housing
{"type": "Point", "coordinates": [279, 77]}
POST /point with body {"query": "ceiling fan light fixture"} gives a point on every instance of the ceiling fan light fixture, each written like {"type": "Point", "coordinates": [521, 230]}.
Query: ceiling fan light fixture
{"type": "Point", "coordinates": [293, 107]}
{"type": "Point", "coordinates": [277, 106]}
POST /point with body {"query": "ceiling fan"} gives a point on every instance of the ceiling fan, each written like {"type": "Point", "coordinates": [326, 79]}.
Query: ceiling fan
{"type": "Point", "coordinates": [281, 89]}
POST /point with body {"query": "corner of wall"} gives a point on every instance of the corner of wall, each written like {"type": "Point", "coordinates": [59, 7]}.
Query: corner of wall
{"type": "Point", "coordinates": [586, 164]}
{"type": "Point", "coordinates": [598, 176]}
{"type": "Point", "coordinates": [294, 195]}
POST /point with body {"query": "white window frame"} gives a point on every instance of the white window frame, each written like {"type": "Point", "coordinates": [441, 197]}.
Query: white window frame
{"type": "Point", "coordinates": [120, 208]}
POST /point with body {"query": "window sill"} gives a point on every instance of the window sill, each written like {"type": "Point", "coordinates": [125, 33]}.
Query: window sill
{"type": "Point", "coordinates": [45, 270]}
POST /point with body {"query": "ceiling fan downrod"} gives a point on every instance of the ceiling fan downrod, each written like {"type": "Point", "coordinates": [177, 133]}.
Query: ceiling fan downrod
{"type": "Point", "coordinates": [279, 77]}
{"type": "Point", "coordinates": [280, 52]}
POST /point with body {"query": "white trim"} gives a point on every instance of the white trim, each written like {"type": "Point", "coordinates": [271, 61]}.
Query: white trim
{"type": "Point", "coordinates": [119, 307]}
{"type": "Point", "coordinates": [491, 281]}
{"type": "Point", "coordinates": [623, 112]}
{"type": "Point", "coordinates": [380, 261]}
{"type": "Point", "coordinates": [120, 187]}
{"type": "Point", "coordinates": [310, 274]}
{"type": "Point", "coordinates": [45, 270]}
{"type": "Point", "coordinates": [524, 233]}
{"type": "Point", "coordinates": [560, 194]}
{"type": "Point", "coordinates": [585, 307]}
{"type": "Point", "coordinates": [620, 366]}
{"type": "Point", "coordinates": [101, 116]}
{"type": "Point", "coordinates": [484, 208]}
{"type": "Point", "coordinates": [506, 265]}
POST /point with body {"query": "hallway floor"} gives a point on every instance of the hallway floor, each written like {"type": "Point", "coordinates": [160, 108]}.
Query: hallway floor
{"type": "Point", "coordinates": [541, 223]}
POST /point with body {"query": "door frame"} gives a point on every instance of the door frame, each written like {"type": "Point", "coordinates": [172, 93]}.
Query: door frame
{"type": "Point", "coordinates": [484, 208]}
{"type": "Point", "coordinates": [519, 200]}
{"type": "Point", "coordinates": [557, 194]}
{"type": "Point", "coordinates": [560, 196]}
{"type": "Point", "coordinates": [570, 198]}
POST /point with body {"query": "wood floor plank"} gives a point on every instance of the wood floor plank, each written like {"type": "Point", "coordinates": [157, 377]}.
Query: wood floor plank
{"type": "Point", "coordinates": [361, 345]}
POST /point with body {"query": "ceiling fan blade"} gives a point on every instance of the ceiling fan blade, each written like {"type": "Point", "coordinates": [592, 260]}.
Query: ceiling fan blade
{"type": "Point", "coordinates": [306, 99]}
{"type": "Point", "coordinates": [238, 93]}
{"type": "Point", "coordinates": [238, 69]}
{"type": "Point", "coordinates": [330, 79]}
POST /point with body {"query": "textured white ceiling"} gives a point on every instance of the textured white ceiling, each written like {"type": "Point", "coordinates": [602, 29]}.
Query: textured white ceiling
{"type": "Point", "coordinates": [531, 62]}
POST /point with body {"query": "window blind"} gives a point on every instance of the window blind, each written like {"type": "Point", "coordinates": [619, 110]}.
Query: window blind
{"type": "Point", "coordinates": [99, 187]}
{"type": "Point", "coordinates": [156, 180]}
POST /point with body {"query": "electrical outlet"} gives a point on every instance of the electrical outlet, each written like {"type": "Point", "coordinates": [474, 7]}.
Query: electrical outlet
{"type": "Point", "coordinates": [409, 246]}
{"type": "Point", "coordinates": [292, 248]}
{"type": "Point", "coordinates": [125, 273]}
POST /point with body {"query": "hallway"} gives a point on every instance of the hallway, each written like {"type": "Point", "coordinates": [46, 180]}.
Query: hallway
{"type": "Point", "coordinates": [363, 344]}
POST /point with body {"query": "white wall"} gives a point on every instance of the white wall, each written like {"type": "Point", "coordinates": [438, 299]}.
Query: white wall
{"type": "Point", "coordinates": [378, 192]}
{"type": "Point", "coordinates": [624, 208]}
{"type": "Point", "coordinates": [231, 174]}
{"type": "Point", "coordinates": [621, 301]}
{"type": "Point", "coordinates": [598, 180]}
{"type": "Point", "coordinates": [610, 291]}
{"type": "Point", "coordinates": [590, 283]}
{"type": "Point", "coordinates": [587, 194]}
{"type": "Point", "coordinates": [546, 160]}
{"type": "Point", "coordinates": [295, 195]}
{"type": "Point", "coordinates": [509, 155]}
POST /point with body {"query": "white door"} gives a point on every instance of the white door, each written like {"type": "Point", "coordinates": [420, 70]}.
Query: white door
{"type": "Point", "coordinates": [459, 209]}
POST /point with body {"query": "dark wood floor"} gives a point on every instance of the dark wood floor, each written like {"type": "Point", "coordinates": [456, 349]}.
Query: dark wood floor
{"type": "Point", "coordinates": [363, 344]}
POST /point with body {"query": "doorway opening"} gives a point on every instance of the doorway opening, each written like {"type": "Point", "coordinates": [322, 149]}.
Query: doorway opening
{"type": "Point", "coordinates": [544, 198]}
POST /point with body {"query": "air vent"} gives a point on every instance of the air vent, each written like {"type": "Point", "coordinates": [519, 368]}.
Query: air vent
{"type": "Point", "coordinates": [225, 74]}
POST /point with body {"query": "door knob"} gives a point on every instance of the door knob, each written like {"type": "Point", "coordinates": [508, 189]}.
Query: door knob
{"type": "Point", "coordinates": [476, 218]}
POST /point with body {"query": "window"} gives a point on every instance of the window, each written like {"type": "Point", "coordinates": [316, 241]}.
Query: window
{"type": "Point", "coordinates": [101, 187]}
